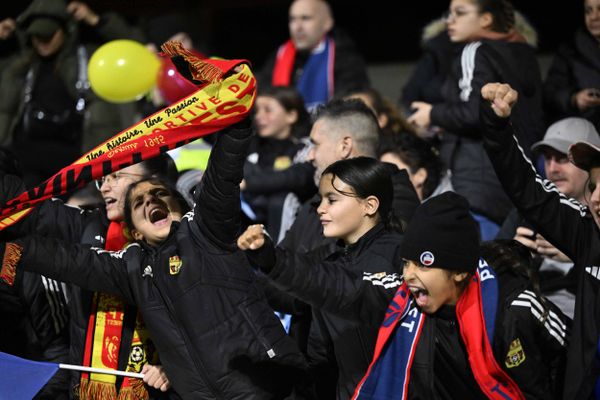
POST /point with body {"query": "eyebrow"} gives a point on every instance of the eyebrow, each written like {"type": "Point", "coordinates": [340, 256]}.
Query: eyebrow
{"type": "Point", "coordinates": [329, 193]}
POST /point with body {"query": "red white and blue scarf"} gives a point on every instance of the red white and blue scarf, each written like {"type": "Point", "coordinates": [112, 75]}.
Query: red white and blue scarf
{"type": "Point", "coordinates": [316, 82]}
{"type": "Point", "coordinates": [388, 375]}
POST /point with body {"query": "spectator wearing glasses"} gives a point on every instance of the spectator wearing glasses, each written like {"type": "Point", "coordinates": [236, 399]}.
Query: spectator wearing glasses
{"type": "Point", "coordinates": [102, 228]}
{"type": "Point", "coordinates": [493, 50]}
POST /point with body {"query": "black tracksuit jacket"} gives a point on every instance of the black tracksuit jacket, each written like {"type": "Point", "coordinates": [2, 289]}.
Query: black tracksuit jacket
{"type": "Point", "coordinates": [570, 227]}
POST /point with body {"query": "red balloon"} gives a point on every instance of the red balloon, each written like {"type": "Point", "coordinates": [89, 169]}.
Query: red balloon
{"type": "Point", "coordinates": [171, 85]}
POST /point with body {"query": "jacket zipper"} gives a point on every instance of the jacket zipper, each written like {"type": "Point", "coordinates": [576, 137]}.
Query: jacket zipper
{"type": "Point", "coordinates": [269, 349]}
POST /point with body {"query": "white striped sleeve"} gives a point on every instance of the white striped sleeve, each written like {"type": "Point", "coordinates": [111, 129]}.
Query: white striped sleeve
{"type": "Point", "coordinates": [552, 322]}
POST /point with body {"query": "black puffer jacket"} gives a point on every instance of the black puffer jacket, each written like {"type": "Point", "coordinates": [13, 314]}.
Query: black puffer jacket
{"type": "Point", "coordinates": [73, 225]}
{"type": "Point", "coordinates": [216, 335]}
{"type": "Point", "coordinates": [461, 145]}
{"type": "Point", "coordinates": [575, 66]}
{"type": "Point", "coordinates": [349, 292]}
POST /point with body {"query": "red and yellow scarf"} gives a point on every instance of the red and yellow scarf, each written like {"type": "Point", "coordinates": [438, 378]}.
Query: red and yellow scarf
{"type": "Point", "coordinates": [224, 97]}
{"type": "Point", "coordinates": [104, 339]}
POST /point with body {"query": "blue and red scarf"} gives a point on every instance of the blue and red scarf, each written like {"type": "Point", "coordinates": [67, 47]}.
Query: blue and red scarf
{"type": "Point", "coordinates": [388, 375]}
{"type": "Point", "coordinates": [316, 83]}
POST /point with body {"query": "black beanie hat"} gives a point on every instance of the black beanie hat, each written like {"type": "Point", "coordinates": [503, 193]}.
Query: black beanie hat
{"type": "Point", "coordinates": [443, 234]}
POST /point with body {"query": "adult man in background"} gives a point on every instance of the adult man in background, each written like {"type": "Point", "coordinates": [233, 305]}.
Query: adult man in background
{"type": "Point", "coordinates": [557, 283]}
{"type": "Point", "coordinates": [320, 61]}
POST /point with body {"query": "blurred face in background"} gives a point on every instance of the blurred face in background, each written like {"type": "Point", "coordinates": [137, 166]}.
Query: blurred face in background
{"type": "Point", "coordinates": [47, 46]}
{"type": "Point", "coordinates": [417, 179]}
{"type": "Point", "coordinates": [272, 119]}
{"type": "Point", "coordinates": [465, 22]}
{"type": "Point", "coordinates": [309, 21]}
{"type": "Point", "coordinates": [326, 147]}
{"type": "Point", "coordinates": [591, 12]}
{"type": "Point", "coordinates": [568, 178]}
{"type": "Point", "coordinates": [594, 188]}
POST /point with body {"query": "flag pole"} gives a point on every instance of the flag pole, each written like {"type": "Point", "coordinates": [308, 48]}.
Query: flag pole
{"type": "Point", "coordinates": [101, 370]}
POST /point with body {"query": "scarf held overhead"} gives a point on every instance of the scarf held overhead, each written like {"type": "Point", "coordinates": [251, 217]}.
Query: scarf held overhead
{"type": "Point", "coordinates": [388, 375]}
{"type": "Point", "coordinates": [224, 98]}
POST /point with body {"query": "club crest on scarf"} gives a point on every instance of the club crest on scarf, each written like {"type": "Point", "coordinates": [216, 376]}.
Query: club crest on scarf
{"type": "Point", "coordinates": [516, 355]}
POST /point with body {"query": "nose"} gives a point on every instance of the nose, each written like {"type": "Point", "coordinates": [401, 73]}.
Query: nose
{"type": "Point", "coordinates": [104, 187]}
{"type": "Point", "coordinates": [106, 184]}
{"type": "Point", "coordinates": [408, 270]}
{"type": "Point", "coordinates": [552, 165]}
{"type": "Point", "coordinates": [311, 154]}
{"type": "Point", "coordinates": [150, 198]}
{"type": "Point", "coordinates": [322, 209]}
{"type": "Point", "coordinates": [595, 198]}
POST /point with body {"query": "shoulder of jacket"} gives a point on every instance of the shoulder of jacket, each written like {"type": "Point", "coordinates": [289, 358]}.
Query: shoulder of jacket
{"type": "Point", "coordinates": [526, 305]}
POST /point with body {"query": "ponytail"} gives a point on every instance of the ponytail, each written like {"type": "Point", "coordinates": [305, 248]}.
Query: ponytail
{"type": "Point", "coordinates": [393, 222]}
{"type": "Point", "coordinates": [502, 12]}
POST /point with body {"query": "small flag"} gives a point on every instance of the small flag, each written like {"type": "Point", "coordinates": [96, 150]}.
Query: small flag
{"type": "Point", "coordinates": [21, 379]}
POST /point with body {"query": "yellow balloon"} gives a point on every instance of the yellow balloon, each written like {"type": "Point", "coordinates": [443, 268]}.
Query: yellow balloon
{"type": "Point", "coordinates": [122, 70]}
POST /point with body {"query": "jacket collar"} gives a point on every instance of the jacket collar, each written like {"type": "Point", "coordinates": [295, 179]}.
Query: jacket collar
{"type": "Point", "coordinates": [362, 243]}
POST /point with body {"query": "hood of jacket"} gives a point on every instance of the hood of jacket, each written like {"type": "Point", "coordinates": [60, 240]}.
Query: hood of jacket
{"type": "Point", "coordinates": [522, 26]}
{"type": "Point", "coordinates": [56, 9]}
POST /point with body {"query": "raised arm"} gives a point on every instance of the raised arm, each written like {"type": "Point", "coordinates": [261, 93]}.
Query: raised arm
{"type": "Point", "coordinates": [218, 195]}
{"type": "Point", "coordinates": [356, 295]}
{"type": "Point", "coordinates": [92, 269]}
{"type": "Point", "coordinates": [51, 218]}
{"type": "Point", "coordinates": [562, 221]}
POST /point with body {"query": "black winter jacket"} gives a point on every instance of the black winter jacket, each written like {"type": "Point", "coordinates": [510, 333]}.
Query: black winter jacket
{"type": "Point", "coordinates": [461, 146]}
{"type": "Point", "coordinates": [349, 292]}
{"type": "Point", "coordinates": [73, 225]}
{"type": "Point", "coordinates": [537, 369]}
{"type": "Point", "coordinates": [570, 227]}
{"type": "Point", "coordinates": [34, 315]}
{"type": "Point", "coordinates": [216, 336]}
{"type": "Point", "coordinates": [34, 322]}
{"type": "Point", "coordinates": [575, 66]}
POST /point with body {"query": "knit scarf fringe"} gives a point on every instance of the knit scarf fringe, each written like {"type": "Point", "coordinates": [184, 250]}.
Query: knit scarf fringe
{"type": "Point", "coordinates": [12, 255]}
{"type": "Point", "coordinates": [107, 391]}
{"type": "Point", "coordinates": [201, 70]}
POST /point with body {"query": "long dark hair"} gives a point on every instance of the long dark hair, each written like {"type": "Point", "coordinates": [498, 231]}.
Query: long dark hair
{"type": "Point", "coordinates": [510, 256]}
{"type": "Point", "coordinates": [155, 181]}
{"type": "Point", "coordinates": [367, 177]}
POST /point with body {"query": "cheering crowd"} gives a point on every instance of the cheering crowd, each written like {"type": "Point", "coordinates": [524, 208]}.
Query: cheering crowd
{"type": "Point", "coordinates": [328, 243]}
